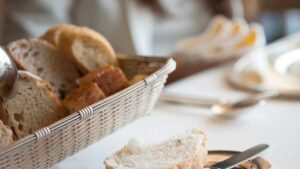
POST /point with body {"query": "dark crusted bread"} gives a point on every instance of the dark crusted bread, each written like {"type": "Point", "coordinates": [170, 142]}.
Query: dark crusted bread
{"type": "Point", "coordinates": [108, 78]}
{"type": "Point", "coordinates": [95, 74]}
{"type": "Point", "coordinates": [31, 105]}
{"type": "Point", "coordinates": [83, 96]}
{"type": "Point", "coordinates": [42, 59]}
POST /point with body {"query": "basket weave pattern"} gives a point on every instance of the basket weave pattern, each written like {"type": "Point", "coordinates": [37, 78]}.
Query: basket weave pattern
{"type": "Point", "coordinates": [50, 145]}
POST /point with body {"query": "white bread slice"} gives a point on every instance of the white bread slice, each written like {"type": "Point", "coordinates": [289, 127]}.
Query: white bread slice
{"type": "Point", "coordinates": [31, 105]}
{"type": "Point", "coordinates": [187, 151]}
{"type": "Point", "coordinates": [42, 59]}
{"type": "Point", "coordinates": [85, 47]}
{"type": "Point", "coordinates": [6, 135]}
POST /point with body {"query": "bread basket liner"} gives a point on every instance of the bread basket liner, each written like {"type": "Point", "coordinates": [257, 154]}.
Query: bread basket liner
{"type": "Point", "coordinates": [138, 104]}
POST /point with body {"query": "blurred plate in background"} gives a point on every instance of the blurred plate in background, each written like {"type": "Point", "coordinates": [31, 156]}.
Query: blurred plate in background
{"type": "Point", "coordinates": [276, 67]}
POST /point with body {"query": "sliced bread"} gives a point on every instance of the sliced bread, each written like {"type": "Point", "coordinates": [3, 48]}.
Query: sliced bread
{"type": "Point", "coordinates": [83, 96]}
{"type": "Point", "coordinates": [187, 151]}
{"type": "Point", "coordinates": [42, 59]}
{"type": "Point", "coordinates": [108, 78]}
{"type": "Point", "coordinates": [52, 34]}
{"type": "Point", "coordinates": [31, 105]}
{"type": "Point", "coordinates": [6, 135]}
{"type": "Point", "coordinates": [85, 47]}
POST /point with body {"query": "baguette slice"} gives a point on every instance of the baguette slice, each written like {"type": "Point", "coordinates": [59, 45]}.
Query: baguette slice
{"type": "Point", "coordinates": [42, 59]}
{"type": "Point", "coordinates": [85, 47]}
{"type": "Point", "coordinates": [6, 135]}
{"type": "Point", "coordinates": [108, 78]}
{"type": "Point", "coordinates": [187, 151]}
{"type": "Point", "coordinates": [83, 96]}
{"type": "Point", "coordinates": [31, 105]}
{"type": "Point", "coordinates": [52, 34]}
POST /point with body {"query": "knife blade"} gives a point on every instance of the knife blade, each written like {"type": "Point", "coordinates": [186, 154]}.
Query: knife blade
{"type": "Point", "coordinates": [240, 157]}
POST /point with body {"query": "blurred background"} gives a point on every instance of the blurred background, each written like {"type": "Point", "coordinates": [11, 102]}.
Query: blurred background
{"type": "Point", "coordinates": [143, 26]}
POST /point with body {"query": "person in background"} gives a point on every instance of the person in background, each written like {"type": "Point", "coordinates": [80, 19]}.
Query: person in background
{"type": "Point", "coordinates": [148, 27]}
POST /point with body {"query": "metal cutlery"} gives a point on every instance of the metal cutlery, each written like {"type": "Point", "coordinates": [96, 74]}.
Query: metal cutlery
{"type": "Point", "coordinates": [8, 73]}
{"type": "Point", "coordinates": [220, 107]}
{"type": "Point", "coordinates": [239, 158]}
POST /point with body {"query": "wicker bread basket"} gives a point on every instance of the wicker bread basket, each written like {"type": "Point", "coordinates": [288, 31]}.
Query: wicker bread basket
{"type": "Point", "coordinates": [52, 144]}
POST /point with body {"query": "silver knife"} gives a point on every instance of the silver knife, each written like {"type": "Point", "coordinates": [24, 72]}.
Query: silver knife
{"type": "Point", "coordinates": [239, 158]}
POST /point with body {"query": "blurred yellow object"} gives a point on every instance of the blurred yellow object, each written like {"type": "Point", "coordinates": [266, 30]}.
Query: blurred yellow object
{"type": "Point", "coordinates": [235, 28]}
{"type": "Point", "coordinates": [215, 28]}
{"type": "Point", "coordinates": [249, 40]}
{"type": "Point", "coordinates": [251, 78]}
{"type": "Point", "coordinates": [224, 38]}
{"type": "Point", "coordinates": [219, 24]}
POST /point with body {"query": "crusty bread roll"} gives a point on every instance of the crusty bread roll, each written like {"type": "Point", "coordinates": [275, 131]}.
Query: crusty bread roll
{"type": "Point", "coordinates": [31, 105]}
{"type": "Point", "coordinates": [83, 96]}
{"type": "Point", "coordinates": [187, 151]}
{"type": "Point", "coordinates": [85, 47]}
{"type": "Point", "coordinates": [95, 74]}
{"type": "Point", "coordinates": [108, 78]}
{"type": "Point", "coordinates": [42, 59]}
{"type": "Point", "coordinates": [6, 135]}
{"type": "Point", "coordinates": [52, 34]}
{"type": "Point", "coordinates": [137, 78]}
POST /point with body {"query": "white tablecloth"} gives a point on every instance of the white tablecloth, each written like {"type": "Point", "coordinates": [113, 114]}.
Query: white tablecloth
{"type": "Point", "coordinates": [277, 123]}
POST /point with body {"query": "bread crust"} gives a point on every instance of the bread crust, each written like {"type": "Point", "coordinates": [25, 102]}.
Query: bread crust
{"type": "Point", "coordinates": [69, 37]}
{"type": "Point", "coordinates": [94, 75]}
{"type": "Point", "coordinates": [52, 34]}
{"type": "Point", "coordinates": [83, 96]}
{"type": "Point", "coordinates": [108, 78]}
{"type": "Point", "coordinates": [66, 36]}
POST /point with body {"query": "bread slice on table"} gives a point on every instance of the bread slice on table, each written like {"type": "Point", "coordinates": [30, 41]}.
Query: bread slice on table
{"type": "Point", "coordinates": [31, 105]}
{"type": "Point", "coordinates": [187, 151]}
{"type": "Point", "coordinates": [83, 96]}
{"type": "Point", "coordinates": [6, 135]}
{"type": "Point", "coordinates": [43, 59]}
{"type": "Point", "coordinates": [85, 47]}
{"type": "Point", "coordinates": [108, 78]}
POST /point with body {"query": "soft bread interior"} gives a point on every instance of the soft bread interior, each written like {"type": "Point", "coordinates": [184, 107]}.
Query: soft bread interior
{"type": "Point", "coordinates": [91, 56]}
{"type": "Point", "coordinates": [187, 150]}
{"type": "Point", "coordinates": [31, 105]}
{"type": "Point", "coordinates": [42, 59]}
{"type": "Point", "coordinates": [6, 135]}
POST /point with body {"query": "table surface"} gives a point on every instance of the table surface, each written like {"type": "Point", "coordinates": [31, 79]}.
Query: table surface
{"type": "Point", "coordinates": [276, 123]}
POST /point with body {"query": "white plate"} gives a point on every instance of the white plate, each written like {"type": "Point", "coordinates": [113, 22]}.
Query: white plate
{"type": "Point", "coordinates": [270, 69]}
{"type": "Point", "coordinates": [289, 64]}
